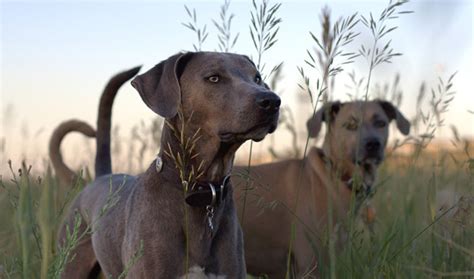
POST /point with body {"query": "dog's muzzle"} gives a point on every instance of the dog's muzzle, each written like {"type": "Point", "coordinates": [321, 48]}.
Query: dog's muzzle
{"type": "Point", "coordinates": [268, 102]}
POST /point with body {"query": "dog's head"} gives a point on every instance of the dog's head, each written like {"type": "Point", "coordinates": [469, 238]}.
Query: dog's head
{"type": "Point", "coordinates": [357, 132]}
{"type": "Point", "coordinates": [222, 93]}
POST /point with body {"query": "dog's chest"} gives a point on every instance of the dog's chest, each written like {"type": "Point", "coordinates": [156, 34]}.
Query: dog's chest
{"type": "Point", "coordinates": [202, 239]}
{"type": "Point", "coordinates": [200, 249]}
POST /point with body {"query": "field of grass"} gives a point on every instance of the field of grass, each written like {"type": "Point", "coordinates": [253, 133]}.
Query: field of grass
{"type": "Point", "coordinates": [424, 225]}
{"type": "Point", "coordinates": [421, 229]}
{"type": "Point", "coordinates": [424, 194]}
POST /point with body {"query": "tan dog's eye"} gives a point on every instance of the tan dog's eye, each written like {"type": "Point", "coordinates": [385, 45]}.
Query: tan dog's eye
{"type": "Point", "coordinates": [351, 126]}
{"type": "Point", "coordinates": [380, 124]}
{"type": "Point", "coordinates": [258, 79]}
{"type": "Point", "coordinates": [213, 79]}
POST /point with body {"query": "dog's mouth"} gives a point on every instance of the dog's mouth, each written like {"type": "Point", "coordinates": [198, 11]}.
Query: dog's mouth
{"type": "Point", "coordinates": [369, 160]}
{"type": "Point", "coordinates": [256, 133]}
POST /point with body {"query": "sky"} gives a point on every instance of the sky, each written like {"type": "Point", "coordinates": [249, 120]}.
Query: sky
{"type": "Point", "coordinates": [56, 56]}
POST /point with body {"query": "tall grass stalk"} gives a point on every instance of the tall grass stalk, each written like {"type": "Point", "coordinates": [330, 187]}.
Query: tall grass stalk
{"type": "Point", "coordinates": [25, 222]}
{"type": "Point", "coordinates": [442, 96]}
{"type": "Point", "coordinates": [325, 55]}
{"type": "Point", "coordinates": [135, 257]}
{"type": "Point", "coordinates": [188, 172]}
{"type": "Point", "coordinates": [328, 55]}
{"type": "Point", "coordinates": [192, 24]}
{"type": "Point", "coordinates": [264, 28]}
{"type": "Point", "coordinates": [77, 231]}
{"type": "Point", "coordinates": [224, 35]}
{"type": "Point", "coordinates": [374, 54]}
{"type": "Point", "coordinates": [47, 223]}
{"type": "Point", "coordinates": [37, 222]}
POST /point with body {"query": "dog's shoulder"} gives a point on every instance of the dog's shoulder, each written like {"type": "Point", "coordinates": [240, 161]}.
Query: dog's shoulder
{"type": "Point", "coordinates": [106, 187]}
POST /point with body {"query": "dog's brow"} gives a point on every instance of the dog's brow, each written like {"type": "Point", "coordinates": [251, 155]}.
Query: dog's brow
{"type": "Point", "coordinates": [377, 116]}
{"type": "Point", "coordinates": [244, 72]}
{"type": "Point", "coordinates": [245, 63]}
{"type": "Point", "coordinates": [213, 70]}
{"type": "Point", "coordinates": [354, 118]}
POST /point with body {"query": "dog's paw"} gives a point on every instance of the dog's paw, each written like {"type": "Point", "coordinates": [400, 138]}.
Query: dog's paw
{"type": "Point", "coordinates": [197, 272]}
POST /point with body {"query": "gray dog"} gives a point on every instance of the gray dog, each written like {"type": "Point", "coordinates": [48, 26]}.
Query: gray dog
{"type": "Point", "coordinates": [356, 136]}
{"type": "Point", "coordinates": [212, 103]}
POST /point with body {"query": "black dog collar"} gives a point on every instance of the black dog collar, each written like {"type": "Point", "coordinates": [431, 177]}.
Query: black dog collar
{"type": "Point", "coordinates": [208, 194]}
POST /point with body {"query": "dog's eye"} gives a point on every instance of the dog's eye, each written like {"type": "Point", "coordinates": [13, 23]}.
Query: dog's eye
{"type": "Point", "coordinates": [351, 126]}
{"type": "Point", "coordinates": [258, 79]}
{"type": "Point", "coordinates": [380, 124]}
{"type": "Point", "coordinates": [214, 79]}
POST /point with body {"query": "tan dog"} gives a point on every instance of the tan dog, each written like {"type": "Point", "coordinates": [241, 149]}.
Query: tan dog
{"type": "Point", "coordinates": [356, 137]}
{"type": "Point", "coordinates": [220, 98]}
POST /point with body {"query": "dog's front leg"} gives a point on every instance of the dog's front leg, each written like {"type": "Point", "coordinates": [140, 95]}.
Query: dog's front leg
{"type": "Point", "coordinates": [162, 263]}
{"type": "Point", "coordinates": [152, 249]}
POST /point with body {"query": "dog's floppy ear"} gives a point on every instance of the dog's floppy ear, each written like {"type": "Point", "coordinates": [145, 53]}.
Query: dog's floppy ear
{"type": "Point", "coordinates": [393, 113]}
{"type": "Point", "coordinates": [159, 87]}
{"type": "Point", "coordinates": [314, 123]}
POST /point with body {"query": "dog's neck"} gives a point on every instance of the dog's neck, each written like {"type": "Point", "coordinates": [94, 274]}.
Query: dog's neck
{"type": "Point", "coordinates": [209, 160]}
{"type": "Point", "coordinates": [346, 170]}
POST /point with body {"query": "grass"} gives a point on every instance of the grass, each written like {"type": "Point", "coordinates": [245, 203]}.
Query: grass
{"type": "Point", "coordinates": [409, 239]}
{"type": "Point", "coordinates": [406, 242]}
{"type": "Point", "coordinates": [413, 236]}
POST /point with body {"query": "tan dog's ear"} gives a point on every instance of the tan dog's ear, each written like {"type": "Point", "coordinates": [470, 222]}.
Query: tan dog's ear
{"type": "Point", "coordinates": [314, 123]}
{"type": "Point", "coordinates": [159, 87]}
{"type": "Point", "coordinates": [393, 113]}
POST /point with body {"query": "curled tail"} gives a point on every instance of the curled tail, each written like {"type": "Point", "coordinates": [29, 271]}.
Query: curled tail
{"type": "Point", "coordinates": [103, 161]}
{"type": "Point", "coordinates": [65, 174]}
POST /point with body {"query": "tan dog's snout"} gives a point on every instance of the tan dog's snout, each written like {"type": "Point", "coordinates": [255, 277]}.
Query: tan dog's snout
{"type": "Point", "coordinates": [372, 149]}
{"type": "Point", "coordinates": [373, 146]}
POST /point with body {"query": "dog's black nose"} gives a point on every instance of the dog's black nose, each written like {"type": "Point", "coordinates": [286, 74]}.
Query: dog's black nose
{"type": "Point", "coordinates": [268, 101]}
{"type": "Point", "coordinates": [372, 145]}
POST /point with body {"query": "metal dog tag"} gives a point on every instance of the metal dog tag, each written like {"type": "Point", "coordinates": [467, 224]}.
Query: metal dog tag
{"type": "Point", "coordinates": [158, 164]}
{"type": "Point", "coordinates": [210, 216]}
